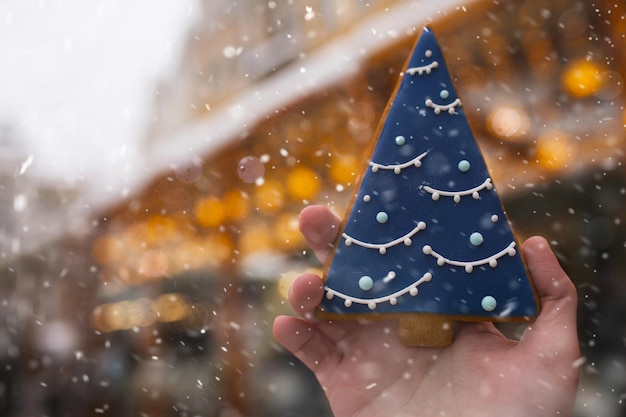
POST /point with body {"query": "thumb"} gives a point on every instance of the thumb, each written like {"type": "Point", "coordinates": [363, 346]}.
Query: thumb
{"type": "Point", "coordinates": [554, 332]}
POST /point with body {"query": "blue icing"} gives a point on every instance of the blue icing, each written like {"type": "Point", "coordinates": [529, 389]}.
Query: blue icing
{"type": "Point", "coordinates": [424, 227]}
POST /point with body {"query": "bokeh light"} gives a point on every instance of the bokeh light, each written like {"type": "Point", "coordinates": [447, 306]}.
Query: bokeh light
{"type": "Point", "coordinates": [250, 169]}
{"type": "Point", "coordinates": [344, 168]}
{"type": "Point", "coordinates": [171, 307]}
{"type": "Point", "coordinates": [209, 212]}
{"type": "Point", "coordinates": [236, 205]}
{"type": "Point", "coordinates": [509, 122]}
{"type": "Point", "coordinates": [303, 183]}
{"type": "Point", "coordinates": [189, 172]}
{"type": "Point", "coordinates": [286, 231]}
{"type": "Point", "coordinates": [553, 150]}
{"type": "Point", "coordinates": [611, 85]}
{"type": "Point", "coordinates": [270, 197]}
{"type": "Point", "coordinates": [255, 237]}
{"type": "Point", "coordinates": [582, 78]}
{"type": "Point", "coordinates": [154, 263]}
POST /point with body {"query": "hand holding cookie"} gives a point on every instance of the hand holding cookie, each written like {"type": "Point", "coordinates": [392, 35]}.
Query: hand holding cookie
{"type": "Point", "coordinates": [365, 369]}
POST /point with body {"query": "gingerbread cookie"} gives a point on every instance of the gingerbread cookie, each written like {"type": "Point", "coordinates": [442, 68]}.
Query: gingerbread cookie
{"type": "Point", "coordinates": [426, 240]}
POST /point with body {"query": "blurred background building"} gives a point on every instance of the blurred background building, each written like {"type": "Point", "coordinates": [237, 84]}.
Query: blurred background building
{"type": "Point", "coordinates": [161, 303]}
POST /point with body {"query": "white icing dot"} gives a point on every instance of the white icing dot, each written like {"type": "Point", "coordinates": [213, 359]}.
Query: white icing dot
{"type": "Point", "coordinates": [451, 110]}
{"type": "Point", "coordinates": [372, 305]}
{"type": "Point", "coordinates": [428, 53]}
{"type": "Point", "coordinates": [382, 250]}
{"type": "Point", "coordinates": [476, 239]}
{"type": "Point", "coordinates": [469, 269]}
{"type": "Point", "coordinates": [457, 198]}
{"type": "Point", "coordinates": [330, 295]}
{"type": "Point", "coordinates": [367, 198]}
{"type": "Point", "coordinates": [511, 252]}
{"type": "Point", "coordinates": [435, 196]}
{"type": "Point", "coordinates": [413, 291]}
{"type": "Point", "coordinates": [427, 250]}
{"type": "Point", "coordinates": [441, 262]}
{"type": "Point", "coordinates": [427, 276]}
{"type": "Point", "coordinates": [493, 263]}
{"type": "Point", "coordinates": [375, 168]}
{"type": "Point", "coordinates": [408, 242]}
{"type": "Point", "coordinates": [393, 301]}
{"type": "Point", "coordinates": [397, 170]}
{"type": "Point", "coordinates": [382, 217]}
{"type": "Point", "coordinates": [475, 195]}
{"type": "Point", "coordinates": [348, 242]}
{"type": "Point", "coordinates": [488, 303]}
{"type": "Point", "coordinates": [348, 303]}
{"type": "Point", "coordinates": [495, 218]}
{"type": "Point", "coordinates": [366, 283]}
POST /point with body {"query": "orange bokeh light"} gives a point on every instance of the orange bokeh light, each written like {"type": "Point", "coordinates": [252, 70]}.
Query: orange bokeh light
{"type": "Point", "coordinates": [303, 183]}
{"type": "Point", "coordinates": [582, 78]}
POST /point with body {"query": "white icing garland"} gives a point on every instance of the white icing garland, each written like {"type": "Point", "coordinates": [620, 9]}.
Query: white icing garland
{"type": "Point", "coordinates": [423, 69]}
{"type": "Point", "coordinates": [458, 194]}
{"type": "Point", "coordinates": [397, 168]}
{"type": "Point", "coordinates": [382, 247]}
{"type": "Point", "coordinates": [447, 107]}
{"type": "Point", "coordinates": [371, 303]}
{"type": "Point", "coordinates": [469, 265]}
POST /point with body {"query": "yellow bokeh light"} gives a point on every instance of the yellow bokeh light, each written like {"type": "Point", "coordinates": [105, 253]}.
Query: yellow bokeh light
{"type": "Point", "coordinates": [210, 212]}
{"type": "Point", "coordinates": [344, 168]}
{"type": "Point", "coordinates": [142, 312]}
{"type": "Point", "coordinates": [171, 307]}
{"type": "Point", "coordinates": [553, 150]}
{"type": "Point", "coordinates": [270, 197]}
{"type": "Point", "coordinates": [218, 248]}
{"type": "Point", "coordinates": [114, 316]}
{"type": "Point", "coordinates": [303, 183]}
{"type": "Point", "coordinates": [582, 78]}
{"type": "Point", "coordinates": [255, 237]}
{"type": "Point", "coordinates": [236, 205]}
{"type": "Point", "coordinates": [287, 232]}
{"type": "Point", "coordinates": [159, 228]}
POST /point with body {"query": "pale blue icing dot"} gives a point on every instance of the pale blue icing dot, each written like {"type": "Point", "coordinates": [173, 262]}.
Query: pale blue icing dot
{"type": "Point", "coordinates": [400, 140]}
{"type": "Point", "coordinates": [488, 303]}
{"type": "Point", "coordinates": [367, 283]}
{"type": "Point", "coordinates": [464, 165]}
{"type": "Point", "coordinates": [476, 239]}
{"type": "Point", "coordinates": [382, 217]}
{"type": "Point", "coordinates": [444, 94]}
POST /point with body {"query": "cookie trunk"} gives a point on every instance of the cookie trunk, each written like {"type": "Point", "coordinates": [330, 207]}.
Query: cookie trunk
{"type": "Point", "coordinates": [425, 330]}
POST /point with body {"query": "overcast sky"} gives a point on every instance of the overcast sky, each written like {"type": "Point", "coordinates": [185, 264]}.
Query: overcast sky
{"type": "Point", "coordinates": [77, 79]}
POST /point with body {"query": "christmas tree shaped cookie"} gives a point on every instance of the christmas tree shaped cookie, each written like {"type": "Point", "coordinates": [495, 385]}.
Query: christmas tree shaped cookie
{"type": "Point", "coordinates": [426, 241]}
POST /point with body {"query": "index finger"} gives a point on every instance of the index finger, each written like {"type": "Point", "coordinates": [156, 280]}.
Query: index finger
{"type": "Point", "coordinates": [320, 227]}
